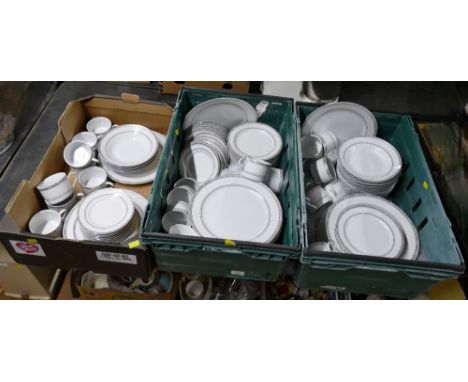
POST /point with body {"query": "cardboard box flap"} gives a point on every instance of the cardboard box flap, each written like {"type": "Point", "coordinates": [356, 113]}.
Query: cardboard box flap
{"type": "Point", "coordinates": [23, 205]}
{"type": "Point", "coordinates": [127, 109]}
{"type": "Point", "coordinates": [51, 162]}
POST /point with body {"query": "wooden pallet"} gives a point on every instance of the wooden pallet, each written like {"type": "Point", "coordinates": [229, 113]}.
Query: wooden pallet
{"type": "Point", "coordinates": [173, 87]}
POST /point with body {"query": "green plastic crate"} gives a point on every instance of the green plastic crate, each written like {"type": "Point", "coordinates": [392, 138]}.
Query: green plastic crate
{"type": "Point", "coordinates": [225, 258]}
{"type": "Point", "coordinates": [440, 257]}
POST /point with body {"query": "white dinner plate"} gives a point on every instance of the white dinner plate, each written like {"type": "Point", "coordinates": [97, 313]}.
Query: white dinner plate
{"type": "Point", "coordinates": [238, 209]}
{"type": "Point", "coordinates": [344, 119]}
{"type": "Point", "coordinates": [370, 159]}
{"type": "Point", "coordinates": [366, 230]}
{"type": "Point", "coordinates": [406, 226]}
{"type": "Point", "coordinates": [255, 140]}
{"type": "Point", "coordinates": [229, 112]}
{"type": "Point", "coordinates": [106, 211]}
{"type": "Point", "coordinates": [199, 161]}
{"type": "Point", "coordinates": [128, 146]}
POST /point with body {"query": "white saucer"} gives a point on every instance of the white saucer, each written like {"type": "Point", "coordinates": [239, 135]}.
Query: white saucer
{"type": "Point", "coordinates": [255, 140]}
{"type": "Point", "coordinates": [229, 112]}
{"type": "Point", "coordinates": [199, 161]}
{"type": "Point", "coordinates": [72, 228]}
{"type": "Point", "coordinates": [238, 209]}
{"type": "Point", "coordinates": [105, 211]}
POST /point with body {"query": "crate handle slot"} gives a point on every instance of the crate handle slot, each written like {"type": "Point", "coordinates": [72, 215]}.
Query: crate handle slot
{"type": "Point", "coordinates": [422, 224]}
{"type": "Point", "coordinates": [410, 184]}
{"type": "Point", "coordinates": [416, 205]}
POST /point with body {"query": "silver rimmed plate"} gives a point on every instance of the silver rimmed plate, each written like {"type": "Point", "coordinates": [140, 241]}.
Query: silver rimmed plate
{"type": "Point", "coordinates": [229, 112]}
{"type": "Point", "coordinates": [72, 229]}
{"type": "Point", "coordinates": [237, 208]}
{"type": "Point", "coordinates": [256, 141]}
{"type": "Point", "coordinates": [370, 160]}
{"type": "Point", "coordinates": [344, 119]}
{"type": "Point", "coordinates": [368, 231]}
{"type": "Point", "coordinates": [106, 211]}
{"type": "Point", "coordinates": [128, 146]}
{"type": "Point", "coordinates": [199, 161]}
{"type": "Point", "coordinates": [142, 175]}
{"type": "Point", "coordinates": [375, 233]}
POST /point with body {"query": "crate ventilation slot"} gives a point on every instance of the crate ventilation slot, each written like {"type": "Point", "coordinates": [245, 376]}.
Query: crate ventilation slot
{"type": "Point", "coordinates": [422, 224]}
{"type": "Point", "coordinates": [410, 184]}
{"type": "Point", "coordinates": [416, 205]}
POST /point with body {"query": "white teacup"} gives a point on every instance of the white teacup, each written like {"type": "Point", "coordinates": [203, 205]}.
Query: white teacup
{"type": "Point", "coordinates": [254, 169]}
{"type": "Point", "coordinates": [67, 205]}
{"type": "Point", "coordinates": [92, 179]}
{"type": "Point", "coordinates": [78, 155]}
{"type": "Point", "coordinates": [192, 183]}
{"type": "Point", "coordinates": [182, 229]}
{"type": "Point", "coordinates": [312, 146]}
{"type": "Point", "coordinates": [336, 190]}
{"type": "Point", "coordinates": [56, 188]}
{"type": "Point", "coordinates": [87, 137]}
{"type": "Point", "coordinates": [47, 222]}
{"type": "Point", "coordinates": [194, 289]}
{"type": "Point", "coordinates": [174, 217]}
{"type": "Point", "coordinates": [330, 145]}
{"type": "Point", "coordinates": [99, 125]}
{"type": "Point", "coordinates": [179, 206]}
{"type": "Point", "coordinates": [274, 179]}
{"type": "Point", "coordinates": [179, 194]}
{"type": "Point", "coordinates": [317, 198]}
{"type": "Point", "coordinates": [322, 171]}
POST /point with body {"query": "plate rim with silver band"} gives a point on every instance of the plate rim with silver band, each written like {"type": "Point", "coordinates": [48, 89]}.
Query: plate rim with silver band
{"type": "Point", "coordinates": [408, 228]}
{"type": "Point", "coordinates": [366, 115]}
{"type": "Point", "coordinates": [274, 203]}
{"type": "Point", "coordinates": [250, 114]}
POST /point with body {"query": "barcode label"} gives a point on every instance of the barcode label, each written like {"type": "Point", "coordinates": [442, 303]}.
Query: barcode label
{"type": "Point", "coordinates": [238, 273]}
{"type": "Point", "coordinates": [114, 257]}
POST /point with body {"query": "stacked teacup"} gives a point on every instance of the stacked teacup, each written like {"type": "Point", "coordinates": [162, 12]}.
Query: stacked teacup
{"type": "Point", "coordinates": [58, 192]}
{"type": "Point", "coordinates": [177, 220]}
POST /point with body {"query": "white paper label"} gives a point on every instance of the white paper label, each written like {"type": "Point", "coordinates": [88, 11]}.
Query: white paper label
{"type": "Point", "coordinates": [25, 248]}
{"type": "Point", "coordinates": [116, 257]}
{"type": "Point", "coordinates": [237, 273]}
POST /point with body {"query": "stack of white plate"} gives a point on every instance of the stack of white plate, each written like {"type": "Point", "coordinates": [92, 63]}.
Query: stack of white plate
{"type": "Point", "coordinates": [205, 153]}
{"type": "Point", "coordinates": [109, 215]}
{"type": "Point", "coordinates": [130, 153]}
{"type": "Point", "coordinates": [369, 164]}
{"type": "Point", "coordinates": [254, 140]}
{"type": "Point", "coordinates": [365, 224]}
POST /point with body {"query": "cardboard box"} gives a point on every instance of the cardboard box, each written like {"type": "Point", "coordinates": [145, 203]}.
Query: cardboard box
{"type": "Point", "coordinates": [21, 281]}
{"type": "Point", "coordinates": [114, 259]}
{"type": "Point", "coordinates": [173, 87]}
{"type": "Point", "coordinates": [110, 294]}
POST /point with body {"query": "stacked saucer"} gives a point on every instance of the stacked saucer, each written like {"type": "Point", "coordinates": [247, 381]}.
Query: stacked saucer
{"type": "Point", "coordinates": [108, 215]}
{"type": "Point", "coordinates": [205, 153]}
{"type": "Point", "coordinates": [256, 141]}
{"type": "Point", "coordinates": [129, 154]}
{"type": "Point", "coordinates": [370, 165]}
